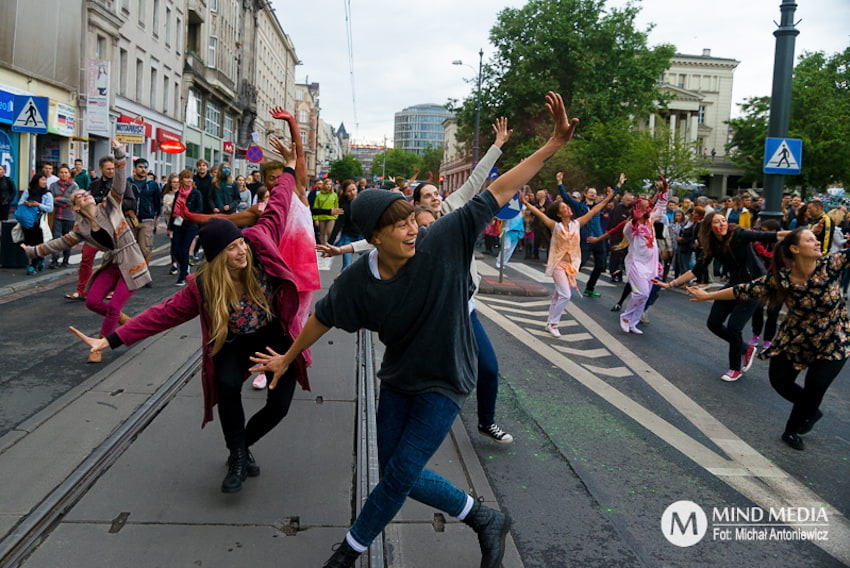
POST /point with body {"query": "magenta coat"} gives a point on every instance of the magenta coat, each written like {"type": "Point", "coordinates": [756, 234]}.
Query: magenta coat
{"type": "Point", "coordinates": [263, 238]}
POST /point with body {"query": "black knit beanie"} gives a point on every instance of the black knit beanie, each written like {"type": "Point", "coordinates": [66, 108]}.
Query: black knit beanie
{"type": "Point", "coordinates": [216, 234]}
{"type": "Point", "coordinates": [368, 207]}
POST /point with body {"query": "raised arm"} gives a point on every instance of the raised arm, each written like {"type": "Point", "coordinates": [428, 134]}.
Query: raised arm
{"type": "Point", "coordinates": [550, 224]}
{"type": "Point", "coordinates": [476, 179]}
{"type": "Point", "coordinates": [119, 181]}
{"type": "Point", "coordinates": [504, 188]}
{"type": "Point", "coordinates": [300, 160]}
{"type": "Point", "coordinates": [585, 219]}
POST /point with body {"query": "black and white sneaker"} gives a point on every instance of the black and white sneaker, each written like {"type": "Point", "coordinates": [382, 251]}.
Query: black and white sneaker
{"type": "Point", "coordinates": [495, 433]}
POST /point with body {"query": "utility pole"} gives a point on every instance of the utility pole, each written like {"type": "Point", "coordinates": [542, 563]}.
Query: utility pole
{"type": "Point", "coordinates": [780, 100]}
{"type": "Point", "coordinates": [476, 147]}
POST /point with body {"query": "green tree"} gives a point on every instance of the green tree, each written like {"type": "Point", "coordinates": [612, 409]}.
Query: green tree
{"type": "Point", "coordinates": [348, 167]}
{"type": "Point", "coordinates": [660, 153]}
{"type": "Point", "coordinates": [820, 117]}
{"type": "Point", "coordinates": [431, 163]}
{"type": "Point", "coordinates": [594, 56]}
{"type": "Point", "coordinates": [399, 163]}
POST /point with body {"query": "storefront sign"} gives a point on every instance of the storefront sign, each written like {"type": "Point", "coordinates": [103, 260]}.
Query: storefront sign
{"type": "Point", "coordinates": [63, 120]}
{"type": "Point", "coordinates": [97, 91]}
{"type": "Point", "coordinates": [130, 133]}
{"type": "Point", "coordinates": [8, 152]}
{"type": "Point", "coordinates": [172, 147]}
{"type": "Point", "coordinates": [7, 107]}
{"type": "Point", "coordinates": [228, 147]}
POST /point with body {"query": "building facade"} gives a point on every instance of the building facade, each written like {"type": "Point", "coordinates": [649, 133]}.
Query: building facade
{"type": "Point", "coordinates": [365, 154]}
{"type": "Point", "coordinates": [456, 165]}
{"type": "Point", "coordinates": [329, 148]}
{"type": "Point", "coordinates": [420, 127]}
{"type": "Point", "coordinates": [307, 114]}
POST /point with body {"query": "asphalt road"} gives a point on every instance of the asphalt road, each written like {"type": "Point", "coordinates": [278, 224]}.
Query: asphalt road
{"type": "Point", "coordinates": [597, 459]}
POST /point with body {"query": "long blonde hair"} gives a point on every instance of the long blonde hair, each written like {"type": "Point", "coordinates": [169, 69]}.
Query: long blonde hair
{"type": "Point", "coordinates": [220, 294]}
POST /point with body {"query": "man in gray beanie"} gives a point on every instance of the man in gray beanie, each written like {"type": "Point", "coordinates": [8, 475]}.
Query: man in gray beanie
{"type": "Point", "coordinates": [413, 290]}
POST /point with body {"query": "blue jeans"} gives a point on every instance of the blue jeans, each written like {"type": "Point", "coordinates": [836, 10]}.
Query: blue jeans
{"type": "Point", "coordinates": [410, 430]}
{"type": "Point", "coordinates": [487, 388]}
{"type": "Point", "coordinates": [346, 256]}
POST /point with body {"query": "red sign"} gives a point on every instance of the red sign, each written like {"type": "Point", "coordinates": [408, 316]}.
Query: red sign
{"type": "Point", "coordinates": [163, 135]}
{"type": "Point", "coordinates": [228, 148]}
{"type": "Point", "coordinates": [172, 146]}
{"type": "Point", "coordinates": [254, 154]}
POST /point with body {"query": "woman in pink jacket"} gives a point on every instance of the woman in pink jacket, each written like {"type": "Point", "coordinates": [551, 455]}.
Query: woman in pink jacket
{"type": "Point", "coordinates": [245, 295]}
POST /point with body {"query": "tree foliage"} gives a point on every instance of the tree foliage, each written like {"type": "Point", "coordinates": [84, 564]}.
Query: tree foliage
{"type": "Point", "coordinates": [594, 56]}
{"type": "Point", "coordinates": [347, 167]}
{"type": "Point", "coordinates": [820, 117]}
{"type": "Point", "coordinates": [399, 163]}
{"type": "Point", "coordinates": [431, 163]}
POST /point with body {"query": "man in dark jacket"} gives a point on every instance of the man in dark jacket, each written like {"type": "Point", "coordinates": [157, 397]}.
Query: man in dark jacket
{"type": "Point", "coordinates": [203, 181]}
{"type": "Point", "coordinates": [621, 212]}
{"type": "Point", "coordinates": [148, 205]}
{"type": "Point", "coordinates": [8, 193]}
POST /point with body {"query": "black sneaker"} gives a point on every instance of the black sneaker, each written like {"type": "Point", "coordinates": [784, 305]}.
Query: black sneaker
{"type": "Point", "coordinates": [173, 271]}
{"type": "Point", "coordinates": [495, 433]}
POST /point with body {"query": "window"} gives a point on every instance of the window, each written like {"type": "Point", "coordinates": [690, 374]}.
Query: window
{"type": "Point", "coordinates": [177, 100]}
{"type": "Point", "coordinates": [152, 103]}
{"type": "Point", "coordinates": [701, 115]}
{"type": "Point", "coordinates": [142, 13]}
{"type": "Point", "coordinates": [140, 69]}
{"type": "Point", "coordinates": [122, 81]}
{"type": "Point", "coordinates": [193, 151]}
{"type": "Point", "coordinates": [211, 52]}
{"type": "Point", "coordinates": [165, 93]}
{"type": "Point", "coordinates": [234, 61]}
{"type": "Point", "coordinates": [304, 137]}
{"type": "Point", "coordinates": [193, 109]}
{"type": "Point", "coordinates": [155, 25]}
{"type": "Point", "coordinates": [299, 94]}
{"type": "Point", "coordinates": [212, 124]}
{"type": "Point", "coordinates": [100, 48]}
{"type": "Point", "coordinates": [167, 27]}
{"type": "Point", "coordinates": [178, 42]}
{"type": "Point", "coordinates": [228, 128]}
{"type": "Point", "coordinates": [302, 115]}
{"type": "Point", "coordinates": [681, 82]}
{"type": "Point", "coordinates": [213, 5]}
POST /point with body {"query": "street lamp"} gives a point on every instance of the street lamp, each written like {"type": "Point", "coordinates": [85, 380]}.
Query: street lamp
{"type": "Point", "coordinates": [475, 145]}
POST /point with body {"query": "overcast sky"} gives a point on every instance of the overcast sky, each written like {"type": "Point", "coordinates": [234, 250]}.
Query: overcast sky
{"type": "Point", "coordinates": [403, 50]}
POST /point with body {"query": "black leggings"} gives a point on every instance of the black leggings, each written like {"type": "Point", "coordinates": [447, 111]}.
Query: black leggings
{"type": "Point", "coordinates": [769, 324]}
{"type": "Point", "coordinates": [231, 365]}
{"type": "Point", "coordinates": [739, 313]}
{"type": "Point", "coordinates": [806, 399]}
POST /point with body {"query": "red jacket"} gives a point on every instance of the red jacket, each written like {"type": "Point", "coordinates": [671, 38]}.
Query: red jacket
{"type": "Point", "coordinates": [263, 238]}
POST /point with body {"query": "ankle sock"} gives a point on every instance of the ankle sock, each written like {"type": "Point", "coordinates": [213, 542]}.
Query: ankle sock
{"type": "Point", "coordinates": [466, 508]}
{"type": "Point", "coordinates": [354, 544]}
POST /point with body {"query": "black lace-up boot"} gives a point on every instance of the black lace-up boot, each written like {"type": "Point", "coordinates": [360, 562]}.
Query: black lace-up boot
{"type": "Point", "coordinates": [492, 527]}
{"type": "Point", "coordinates": [237, 470]}
{"type": "Point", "coordinates": [343, 557]}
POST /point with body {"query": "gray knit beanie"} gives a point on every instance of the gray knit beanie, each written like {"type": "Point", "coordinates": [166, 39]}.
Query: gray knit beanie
{"type": "Point", "coordinates": [368, 207]}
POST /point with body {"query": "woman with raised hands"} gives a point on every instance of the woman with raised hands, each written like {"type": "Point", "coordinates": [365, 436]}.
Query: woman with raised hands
{"type": "Point", "coordinates": [104, 227]}
{"type": "Point", "coordinates": [814, 335]}
{"type": "Point", "coordinates": [247, 301]}
{"type": "Point", "coordinates": [564, 257]}
{"type": "Point", "coordinates": [413, 289]}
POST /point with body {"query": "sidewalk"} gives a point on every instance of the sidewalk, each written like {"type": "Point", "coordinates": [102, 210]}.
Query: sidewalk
{"type": "Point", "coordinates": [159, 503]}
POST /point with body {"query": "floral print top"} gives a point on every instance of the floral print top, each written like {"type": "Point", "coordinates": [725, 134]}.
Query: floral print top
{"type": "Point", "coordinates": [250, 316]}
{"type": "Point", "coordinates": [817, 325]}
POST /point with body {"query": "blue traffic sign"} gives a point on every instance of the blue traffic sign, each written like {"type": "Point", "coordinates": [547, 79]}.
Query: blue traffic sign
{"type": "Point", "coordinates": [7, 107]}
{"type": "Point", "coordinates": [254, 154]}
{"type": "Point", "coordinates": [511, 209]}
{"type": "Point", "coordinates": [783, 156]}
{"type": "Point", "coordinates": [30, 114]}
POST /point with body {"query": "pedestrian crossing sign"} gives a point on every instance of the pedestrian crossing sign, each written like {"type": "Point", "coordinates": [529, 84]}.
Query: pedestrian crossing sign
{"type": "Point", "coordinates": [783, 156]}
{"type": "Point", "coordinates": [30, 114]}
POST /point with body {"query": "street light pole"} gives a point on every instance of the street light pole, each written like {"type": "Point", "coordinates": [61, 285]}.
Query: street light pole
{"type": "Point", "coordinates": [780, 100]}
{"type": "Point", "coordinates": [476, 147]}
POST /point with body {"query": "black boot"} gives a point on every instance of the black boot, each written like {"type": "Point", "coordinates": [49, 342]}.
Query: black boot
{"type": "Point", "coordinates": [251, 466]}
{"type": "Point", "coordinates": [492, 527]}
{"type": "Point", "coordinates": [343, 557]}
{"type": "Point", "coordinates": [793, 440]}
{"type": "Point", "coordinates": [809, 423]}
{"type": "Point", "coordinates": [237, 470]}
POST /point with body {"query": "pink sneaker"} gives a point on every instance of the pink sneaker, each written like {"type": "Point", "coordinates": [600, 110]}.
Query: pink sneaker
{"type": "Point", "coordinates": [731, 376]}
{"type": "Point", "coordinates": [259, 381]}
{"type": "Point", "coordinates": [749, 356]}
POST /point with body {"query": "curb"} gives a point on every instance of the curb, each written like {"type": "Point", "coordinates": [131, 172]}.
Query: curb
{"type": "Point", "coordinates": [512, 288]}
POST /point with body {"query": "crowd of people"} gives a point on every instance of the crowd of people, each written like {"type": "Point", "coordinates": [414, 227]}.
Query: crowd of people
{"type": "Point", "coordinates": [254, 242]}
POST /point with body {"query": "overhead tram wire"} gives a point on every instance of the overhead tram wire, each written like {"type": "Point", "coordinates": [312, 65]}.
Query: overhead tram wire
{"type": "Point", "coordinates": [347, 5]}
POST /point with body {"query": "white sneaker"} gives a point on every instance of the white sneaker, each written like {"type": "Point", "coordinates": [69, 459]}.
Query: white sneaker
{"type": "Point", "coordinates": [624, 325]}
{"type": "Point", "coordinates": [553, 330]}
{"type": "Point", "coordinates": [259, 381]}
{"type": "Point", "coordinates": [634, 329]}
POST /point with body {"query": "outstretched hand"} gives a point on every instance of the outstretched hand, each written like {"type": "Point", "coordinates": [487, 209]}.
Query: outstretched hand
{"type": "Point", "coordinates": [621, 180]}
{"type": "Point", "coordinates": [95, 343]}
{"type": "Point", "coordinates": [699, 295]}
{"type": "Point", "coordinates": [564, 126]}
{"type": "Point", "coordinates": [287, 152]}
{"type": "Point", "coordinates": [280, 114]}
{"type": "Point", "coordinates": [503, 133]}
{"type": "Point", "coordinates": [329, 250]}
{"type": "Point", "coordinates": [662, 184]}
{"type": "Point", "coordinates": [559, 177]}
{"type": "Point", "coordinates": [269, 361]}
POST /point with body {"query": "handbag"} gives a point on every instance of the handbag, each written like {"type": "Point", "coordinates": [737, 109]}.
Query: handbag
{"type": "Point", "coordinates": [46, 231]}
{"type": "Point", "coordinates": [17, 233]}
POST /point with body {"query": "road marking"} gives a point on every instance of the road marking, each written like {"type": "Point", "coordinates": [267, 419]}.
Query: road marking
{"type": "Point", "coordinates": [540, 321]}
{"type": "Point", "coordinates": [616, 372]}
{"type": "Point", "coordinates": [542, 313]}
{"type": "Point", "coordinates": [587, 353]}
{"type": "Point", "coordinates": [745, 470]}
{"type": "Point", "coordinates": [485, 269]}
{"type": "Point", "coordinates": [569, 337]}
{"type": "Point", "coordinates": [532, 304]}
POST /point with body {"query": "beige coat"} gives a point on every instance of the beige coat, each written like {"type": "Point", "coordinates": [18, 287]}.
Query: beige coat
{"type": "Point", "coordinates": [109, 217]}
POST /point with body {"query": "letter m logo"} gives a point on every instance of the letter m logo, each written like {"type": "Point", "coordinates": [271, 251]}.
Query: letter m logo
{"type": "Point", "coordinates": [676, 521]}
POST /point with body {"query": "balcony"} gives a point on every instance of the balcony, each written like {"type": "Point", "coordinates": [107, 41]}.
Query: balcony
{"type": "Point", "coordinates": [197, 11]}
